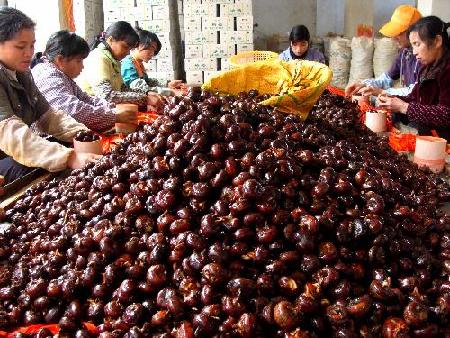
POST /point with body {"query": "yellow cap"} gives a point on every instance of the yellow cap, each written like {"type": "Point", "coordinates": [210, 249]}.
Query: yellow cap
{"type": "Point", "coordinates": [403, 17]}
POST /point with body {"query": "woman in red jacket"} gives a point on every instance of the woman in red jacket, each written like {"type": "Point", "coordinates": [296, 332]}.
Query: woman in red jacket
{"type": "Point", "coordinates": [428, 105]}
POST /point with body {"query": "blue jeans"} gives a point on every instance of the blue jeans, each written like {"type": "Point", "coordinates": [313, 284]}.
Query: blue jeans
{"type": "Point", "coordinates": [12, 170]}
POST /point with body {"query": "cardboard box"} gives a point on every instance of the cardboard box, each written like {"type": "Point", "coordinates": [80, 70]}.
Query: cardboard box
{"type": "Point", "coordinates": [224, 64]}
{"type": "Point", "coordinates": [164, 38]}
{"type": "Point", "coordinates": [160, 12]}
{"type": "Point", "coordinates": [164, 65]}
{"type": "Point", "coordinates": [156, 26]}
{"type": "Point", "coordinates": [192, 24]}
{"type": "Point", "coordinates": [194, 78]}
{"type": "Point", "coordinates": [161, 77]}
{"type": "Point", "coordinates": [199, 64]}
{"type": "Point", "coordinates": [218, 24]}
{"type": "Point", "coordinates": [218, 50]}
{"type": "Point", "coordinates": [150, 66]}
{"type": "Point", "coordinates": [244, 6]}
{"type": "Point", "coordinates": [235, 10]}
{"type": "Point", "coordinates": [192, 2]}
{"type": "Point", "coordinates": [217, 1]}
{"type": "Point", "coordinates": [244, 47]}
{"type": "Point", "coordinates": [209, 73]}
{"type": "Point", "coordinates": [110, 4]}
{"type": "Point", "coordinates": [143, 3]}
{"type": "Point", "coordinates": [129, 14]}
{"type": "Point", "coordinates": [143, 13]}
{"type": "Point", "coordinates": [191, 10]}
{"type": "Point", "coordinates": [193, 51]}
{"type": "Point", "coordinates": [200, 37]}
{"type": "Point", "coordinates": [244, 23]}
{"type": "Point", "coordinates": [152, 2]}
{"type": "Point", "coordinates": [165, 52]}
{"type": "Point", "coordinates": [121, 3]}
{"type": "Point", "coordinates": [236, 37]}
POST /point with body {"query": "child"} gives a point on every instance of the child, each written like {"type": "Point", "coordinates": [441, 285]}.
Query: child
{"type": "Point", "coordinates": [133, 71]}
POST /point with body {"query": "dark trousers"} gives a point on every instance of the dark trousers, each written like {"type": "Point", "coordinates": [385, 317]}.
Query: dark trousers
{"type": "Point", "coordinates": [12, 170]}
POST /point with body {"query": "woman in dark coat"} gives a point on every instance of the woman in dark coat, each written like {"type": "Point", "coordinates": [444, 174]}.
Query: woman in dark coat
{"type": "Point", "coordinates": [428, 105]}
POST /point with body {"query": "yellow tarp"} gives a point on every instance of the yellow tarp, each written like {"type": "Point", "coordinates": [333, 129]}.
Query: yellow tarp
{"type": "Point", "coordinates": [298, 83]}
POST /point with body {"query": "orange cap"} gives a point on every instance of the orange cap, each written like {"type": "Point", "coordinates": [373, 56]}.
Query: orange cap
{"type": "Point", "coordinates": [403, 17]}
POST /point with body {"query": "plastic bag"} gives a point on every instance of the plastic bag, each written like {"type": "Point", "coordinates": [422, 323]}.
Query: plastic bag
{"type": "Point", "coordinates": [340, 57]}
{"type": "Point", "coordinates": [362, 57]}
{"type": "Point", "coordinates": [296, 84]}
{"type": "Point", "coordinates": [385, 52]}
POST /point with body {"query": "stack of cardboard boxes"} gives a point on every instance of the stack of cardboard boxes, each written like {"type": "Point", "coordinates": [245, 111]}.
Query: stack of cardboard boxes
{"type": "Point", "coordinates": [214, 31]}
{"type": "Point", "coordinates": [88, 16]}
{"type": "Point", "coordinates": [151, 15]}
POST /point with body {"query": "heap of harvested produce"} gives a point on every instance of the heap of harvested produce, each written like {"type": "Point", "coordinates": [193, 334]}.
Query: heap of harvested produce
{"type": "Point", "coordinates": [225, 218]}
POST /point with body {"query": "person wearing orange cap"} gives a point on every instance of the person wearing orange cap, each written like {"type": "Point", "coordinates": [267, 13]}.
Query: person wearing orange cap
{"type": "Point", "coordinates": [428, 105]}
{"type": "Point", "coordinates": [405, 67]}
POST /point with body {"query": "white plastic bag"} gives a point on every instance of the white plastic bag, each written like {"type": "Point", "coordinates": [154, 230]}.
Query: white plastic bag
{"type": "Point", "coordinates": [386, 50]}
{"type": "Point", "coordinates": [362, 54]}
{"type": "Point", "coordinates": [340, 56]}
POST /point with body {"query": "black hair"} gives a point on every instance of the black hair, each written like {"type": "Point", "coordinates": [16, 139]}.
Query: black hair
{"type": "Point", "coordinates": [299, 33]}
{"type": "Point", "coordinates": [64, 43]}
{"type": "Point", "coordinates": [13, 21]}
{"type": "Point", "coordinates": [429, 28]}
{"type": "Point", "coordinates": [119, 31]}
{"type": "Point", "coordinates": [146, 38]}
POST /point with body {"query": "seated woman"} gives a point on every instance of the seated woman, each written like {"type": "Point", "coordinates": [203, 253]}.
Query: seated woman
{"type": "Point", "coordinates": [101, 75]}
{"type": "Point", "coordinates": [21, 105]}
{"type": "Point", "coordinates": [133, 71]}
{"type": "Point", "coordinates": [300, 46]}
{"type": "Point", "coordinates": [428, 105]}
{"type": "Point", "coordinates": [405, 67]}
{"type": "Point", "coordinates": [53, 74]}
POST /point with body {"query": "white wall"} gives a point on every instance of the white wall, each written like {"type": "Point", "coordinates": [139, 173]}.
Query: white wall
{"type": "Point", "coordinates": [330, 17]}
{"type": "Point", "coordinates": [440, 8]}
{"type": "Point", "coordinates": [357, 12]}
{"type": "Point", "coordinates": [47, 21]}
{"type": "Point", "coordinates": [275, 16]}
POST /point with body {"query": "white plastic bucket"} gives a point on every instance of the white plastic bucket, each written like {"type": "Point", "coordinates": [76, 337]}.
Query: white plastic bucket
{"type": "Point", "coordinates": [376, 121]}
{"type": "Point", "coordinates": [430, 152]}
{"type": "Point", "coordinates": [94, 147]}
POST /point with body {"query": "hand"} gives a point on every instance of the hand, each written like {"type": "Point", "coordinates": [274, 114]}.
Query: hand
{"type": "Point", "coordinates": [125, 116]}
{"type": "Point", "coordinates": [155, 100]}
{"type": "Point", "coordinates": [368, 90]}
{"type": "Point", "coordinates": [353, 88]}
{"type": "Point", "coordinates": [79, 160]}
{"type": "Point", "coordinates": [178, 87]}
{"type": "Point", "coordinates": [392, 103]}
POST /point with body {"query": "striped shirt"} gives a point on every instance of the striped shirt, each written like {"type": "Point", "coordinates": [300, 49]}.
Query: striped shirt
{"type": "Point", "coordinates": [64, 94]}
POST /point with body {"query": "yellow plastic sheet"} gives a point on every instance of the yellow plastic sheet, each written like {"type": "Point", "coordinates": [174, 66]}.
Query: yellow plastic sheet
{"type": "Point", "coordinates": [297, 84]}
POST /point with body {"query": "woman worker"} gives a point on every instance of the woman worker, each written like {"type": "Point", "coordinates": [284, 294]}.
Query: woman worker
{"type": "Point", "coordinates": [300, 46]}
{"type": "Point", "coordinates": [405, 67]}
{"type": "Point", "coordinates": [133, 70]}
{"type": "Point", "coordinates": [21, 105]}
{"type": "Point", "coordinates": [61, 62]}
{"type": "Point", "coordinates": [428, 105]}
{"type": "Point", "coordinates": [101, 75]}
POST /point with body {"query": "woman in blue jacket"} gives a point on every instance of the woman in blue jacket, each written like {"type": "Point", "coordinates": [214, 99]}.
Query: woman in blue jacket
{"type": "Point", "coordinates": [300, 46]}
{"type": "Point", "coordinates": [133, 71]}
